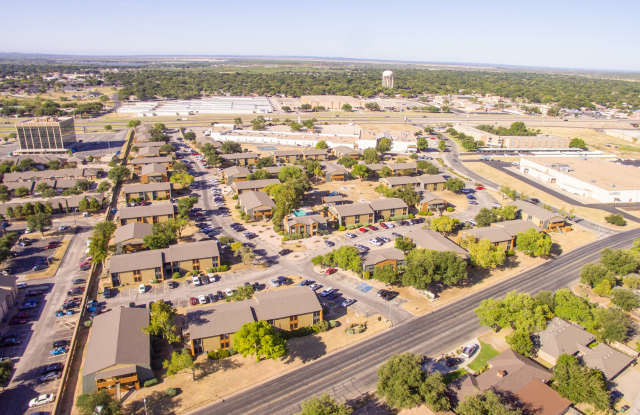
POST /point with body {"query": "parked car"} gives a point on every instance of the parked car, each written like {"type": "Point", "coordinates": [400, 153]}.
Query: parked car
{"type": "Point", "coordinates": [16, 321]}
{"type": "Point", "coordinates": [52, 245]}
{"type": "Point", "coordinates": [229, 292]}
{"type": "Point", "coordinates": [196, 280]}
{"type": "Point", "coordinates": [347, 302]}
{"type": "Point", "coordinates": [202, 299]}
{"type": "Point", "coordinates": [327, 292]}
{"type": "Point", "coordinates": [173, 284]}
{"type": "Point", "coordinates": [315, 286]}
{"type": "Point", "coordinates": [142, 288]}
{"type": "Point", "coordinates": [56, 351]}
{"type": "Point", "coordinates": [479, 187]}
{"type": "Point", "coordinates": [60, 343]}
{"type": "Point", "coordinates": [53, 367]}
{"type": "Point", "coordinates": [329, 243]}
{"type": "Point", "coordinates": [387, 295]}
{"type": "Point", "coordinates": [193, 301]}
{"type": "Point", "coordinates": [350, 235]}
{"type": "Point", "coordinates": [284, 252]}
{"type": "Point", "coordinates": [469, 350]}
{"type": "Point", "coordinates": [372, 228]}
{"type": "Point", "coordinates": [108, 292]}
{"type": "Point", "coordinates": [10, 340]}
{"type": "Point", "coordinates": [79, 281]}
{"type": "Point", "coordinates": [47, 377]}
{"type": "Point", "coordinates": [383, 225]}
{"type": "Point", "coordinates": [43, 399]}
{"type": "Point", "coordinates": [363, 230]}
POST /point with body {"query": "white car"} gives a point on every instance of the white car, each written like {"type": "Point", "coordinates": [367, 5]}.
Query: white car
{"type": "Point", "coordinates": [196, 280]}
{"type": "Point", "coordinates": [41, 400]}
{"type": "Point", "coordinates": [375, 242]}
{"type": "Point", "coordinates": [228, 292]}
{"type": "Point", "coordinates": [142, 288]}
{"type": "Point", "coordinates": [202, 299]}
{"type": "Point", "coordinates": [350, 235]}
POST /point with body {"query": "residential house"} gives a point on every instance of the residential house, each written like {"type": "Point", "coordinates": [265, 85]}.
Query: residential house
{"type": "Point", "coordinates": [153, 173]}
{"type": "Point", "coordinates": [606, 359]}
{"type": "Point", "coordinates": [497, 236]}
{"type": "Point", "coordinates": [315, 154]}
{"type": "Point", "coordinates": [137, 268]}
{"type": "Point", "coordinates": [130, 237]}
{"type": "Point", "coordinates": [352, 214]}
{"type": "Point", "coordinates": [513, 375]}
{"type": "Point", "coordinates": [394, 182]}
{"type": "Point", "coordinates": [380, 258]}
{"type": "Point", "coordinates": [154, 213]}
{"type": "Point", "coordinates": [431, 182]}
{"type": "Point", "coordinates": [240, 159]}
{"type": "Point", "coordinates": [388, 207]}
{"type": "Point", "coordinates": [118, 353]}
{"type": "Point", "coordinates": [288, 309]}
{"type": "Point", "coordinates": [235, 174]}
{"type": "Point", "coordinates": [29, 185]}
{"type": "Point", "coordinates": [405, 169]}
{"type": "Point", "coordinates": [516, 226]}
{"type": "Point", "coordinates": [149, 191]}
{"type": "Point", "coordinates": [432, 240]}
{"type": "Point", "coordinates": [146, 266]}
{"type": "Point", "coordinates": [304, 225]}
{"type": "Point", "coordinates": [256, 204]}
{"type": "Point", "coordinates": [8, 294]}
{"type": "Point", "coordinates": [344, 151]}
{"type": "Point", "coordinates": [138, 163]}
{"type": "Point", "coordinates": [273, 170]}
{"type": "Point", "coordinates": [334, 172]}
{"type": "Point", "coordinates": [212, 328]}
{"type": "Point", "coordinates": [334, 200]}
{"type": "Point", "coordinates": [430, 202]}
{"type": "Point", "coordinates": [252, 185]}
{"type": "Point", "coordinates": [545, 219]}
{"type": "Point", "coordinates": [561, 337]}
{"type": "Point", "coordinates": [287, 156]}
{"type": "Point", "coordinates": [194, 257]}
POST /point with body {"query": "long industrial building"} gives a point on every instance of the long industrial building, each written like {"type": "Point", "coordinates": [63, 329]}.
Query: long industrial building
{"type": "Point", "coordinates": [598, 179]}
{"type": "Point", "coordinates": [45, 135]}
{"type": "Point", "coordinates": [212, 105]}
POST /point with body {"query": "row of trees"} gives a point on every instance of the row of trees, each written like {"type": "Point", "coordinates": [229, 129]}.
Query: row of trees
{"type": "Point", "coordinates": [517, 128]}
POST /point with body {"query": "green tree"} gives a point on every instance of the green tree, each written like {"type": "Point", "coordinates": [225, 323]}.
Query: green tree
{"type": "Point", "coordinates": [445, 224]}
{"type": "Point", "coordinates": [399, 381]}
{"type": "Point", "coordinates": [487, 403]}
{"type": "Point", "coordinates": [322, 145]}
{"type": "Point", "coordinates": [422, 143]}
{"type": "Point", "coordinates": [592, 274]}
{"type": "Point", "coordinates": [229, 147]}
{"type": "Point", "coordinates": [620, 261]}
{"type": "Point", "coordinates": [108, 127]}
{"type": "Point", "coordinates": [185, 204]}
{"type": "Point", "coordinates": [162, 236]}
{"type": "Point", "coordinates": [162, 322]}
{"type": "Point", "coordinates": [610, 324]}
{"type": "Point", "coordinates": [486, 217]}
{"type": "Point", "coordinates": [181, 178]}
{"type": "Point", "coordinates": [383, 145]}
{"type": "Point", "coordinates": [118, 174]}
{"type": "Point", "coordinates": [370, 156]}
{"type": "Point", "coordinates": [88, 402]}
{"type": "Point", "coordinates": [83, 205]}
{"type": "Point", "coordinates": [360, 170]}
{"type": "Point", "coordinates": [387, 274]}
{"type": "Point", "coordinates": [103, 186]}
{"type": "Point", "coordinates": [347, 162]}
{"type": "Point", "coordinates": [580, 384]}
{"type": "Point", "coordinates": [260, 339]}
{"type": "Point", "coordinates": [372, 106]}
{"type": "Point", "coordinates": [631, 281]}
{"type": "Point", "coordinates": [264, 162]}
{"type": "Point", "coordinates": [324, 405]}
{"type": "Point", "coordinates": [520, 342]}
{"type": "Point", "coordinates": [258, 123]}
{"type": "Point", "coordinates": [6, 366]}
{"type": "Point", "coordinates": [615, 219]}
{"type": "Point", "coordinates": [133, 123]}
{"type": "Point", "coordinates": [625, 299]}
{"type": "Point", "coordinates": [427, 168]}
{"type": "Point", "coordinates": [603, 288]}
{"type": "Point", "coordinates": [189, 136]}
{"type": "Point", "coordinates": [99, 241]}
{"type": "Point", "coordinates": [405, 244]}
{"type": "Point", "coordinates": [4, 193]}
{"type": "Point", "coordinates": [454, 185]}
{"type": "Point", "coordinates": [483, 253]}
{"type": "Point", "coordinates": [179, 362]}
{"type": "Point", "coordinates": [442, 145]}
{"type": "Point", "coordinates": [39, 221]}
{"type": "Point", "coordinates": [21, 191]}
{"type": "Point", "coordinates": [534, 243]}
{"type": "Point", "coordinates": [434, 391]}
{"type": "Point", "coordinates": [425, 266]}
{"type": "Point", "coordinates": [347, 108]}
{"type": "Point", "coordinates": [578, 143]}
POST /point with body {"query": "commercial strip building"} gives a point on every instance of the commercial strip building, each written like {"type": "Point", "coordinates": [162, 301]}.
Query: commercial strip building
{"type": "Point", "coordinates": [212, 328]}
{"type": "Point", "coordinates": [597, 179]}
{"type": "Point", "coordinates": [118, 353]}
{"type": "Point", "coordinates": [209, 105]}
{"type": "Point", "coordinates": [147, 266]}
{"type": "Point", "coordinates": [45, 135]}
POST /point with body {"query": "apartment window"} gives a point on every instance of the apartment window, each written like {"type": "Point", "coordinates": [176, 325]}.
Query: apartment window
{"type": "Point", "coordinates": [225, 341]}
{"type": "Point", "coordinates": [316, 317]}
{"type": "Point", "coordinates": [195, 264]}
{"type": "Point", "coordinates": [137, 276]}
{"type": "Point", "coordinates": [293, 322]}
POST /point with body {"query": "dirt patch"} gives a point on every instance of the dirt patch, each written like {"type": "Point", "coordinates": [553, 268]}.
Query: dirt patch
{"type": "Point", "coordinates": [216, 380]}
{"type": "Point", "coordinates": [568, 241]}
{"type": "Point", "coordinates": [354, 190]}
{"type": "Point", "coordinates": [594, 215]}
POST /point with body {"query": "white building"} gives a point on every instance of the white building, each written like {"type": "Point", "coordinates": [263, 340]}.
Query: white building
{"type": "Point", "coordinates": [598, 179]}
{"type": "Point", "coordinates": [387, 79]}
{"type": "Point", "coordinates": [211, 105]}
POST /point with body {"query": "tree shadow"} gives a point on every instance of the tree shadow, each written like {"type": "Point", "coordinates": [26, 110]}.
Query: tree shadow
{"type": "Point", "coordinates": [369, 404]}
{"type": "Point", "coordinates": [556, 250]}
{"type": "Point", "coordinates": [305, 348]}
{"type": "Point", "coordinates": [208, 366]}
{"type": "Point", "coordinates": [157, 403]}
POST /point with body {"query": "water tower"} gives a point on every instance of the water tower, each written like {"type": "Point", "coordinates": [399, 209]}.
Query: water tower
{"type": "Point", "coordinates": [387, 79]}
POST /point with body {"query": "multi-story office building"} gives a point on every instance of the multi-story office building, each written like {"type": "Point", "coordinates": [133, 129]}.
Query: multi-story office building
{"type": "Point", "coordinates": [45, 135]}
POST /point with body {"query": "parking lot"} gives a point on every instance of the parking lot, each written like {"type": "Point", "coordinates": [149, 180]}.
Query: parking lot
{"type": "Point", "coordinates": [32, 254]}
{"type": "Point", "coordinates": [99, 144]}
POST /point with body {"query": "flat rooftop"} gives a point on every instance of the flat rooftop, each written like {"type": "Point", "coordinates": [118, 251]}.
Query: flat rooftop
{"type": "Point", "coordinates": [598, 172]}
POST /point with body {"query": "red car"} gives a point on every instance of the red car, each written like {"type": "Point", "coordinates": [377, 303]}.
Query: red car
{"type": "Point", "coordinates": [383, 225]}
{"type": "Point", "coordinates": [373, 228]}
{"type": "Point", "coordinates": [363, 230]}
{"type": "Point", "coordinates": [330, 271]}
{"type": "Point", "coordinates": [85, 265]}
{"type": "Point", "coordinates": [194, 301]}
{"type": "Point", "coordinates": [52, 245]}
{"type": "Point", "coordinates": [479, 187]}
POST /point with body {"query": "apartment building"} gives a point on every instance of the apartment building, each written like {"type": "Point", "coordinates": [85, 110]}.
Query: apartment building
{"type": "Point", "coordinates": [149, 191]}
{"type": "Point", "coordinates": [154, 213]}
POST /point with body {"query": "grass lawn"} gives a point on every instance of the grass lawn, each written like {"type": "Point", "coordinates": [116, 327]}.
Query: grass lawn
{"type": "Point", "coordinates": [452, 376]}
{"type": "Point", "coordinates": [486, 353]}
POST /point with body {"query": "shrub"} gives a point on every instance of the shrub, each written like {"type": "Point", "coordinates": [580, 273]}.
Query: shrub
{"type": "Point", "coordinates": [321, 326]}
{"type": "Point", "coordinates": [235, 197]}
{"type": "Point", "coordinates": [87, 323]}
{"type": "Point", "coordinates": [333, 324]}
{"type": "Point", "coordinates": [154, 281]}
{"type": "Point", "coordinates": [171, 392]}
{"type": "Point", "coordinates": [175, 275]}
{"type": "Point", "coordinates": [341, 228]}
{"type": "Point", "coordinates": [423, 213]}
{"type": "Point", "coordinates": [150, 382]}
{"type": "Point", "coordinates": [617, 220]}
{"type": "Point", "coordinates": [450, 208]}
{"type": "Point", "coordinates": [219, 354]}
{"type": "Point", "coordinates": [356, 328]}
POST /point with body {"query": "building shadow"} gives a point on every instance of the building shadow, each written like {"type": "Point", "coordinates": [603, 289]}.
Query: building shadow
{"type": "Point", "coordinates": [158, 403]}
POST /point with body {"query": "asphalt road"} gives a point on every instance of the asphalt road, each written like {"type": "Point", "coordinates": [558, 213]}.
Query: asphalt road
{"type": "Point", "coordinates": [352, 371]}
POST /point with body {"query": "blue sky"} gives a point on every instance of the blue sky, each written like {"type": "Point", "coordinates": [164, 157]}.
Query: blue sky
{"type": "Point", "coordinates": [562, 33]}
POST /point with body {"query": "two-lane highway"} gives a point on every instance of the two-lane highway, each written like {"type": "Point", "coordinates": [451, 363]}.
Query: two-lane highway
{"type": "Point", "coordinates": [353, 370]}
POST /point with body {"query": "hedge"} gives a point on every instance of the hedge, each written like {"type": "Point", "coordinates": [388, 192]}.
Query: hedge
{"type": "Point", "coordinates": [150, 382]}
